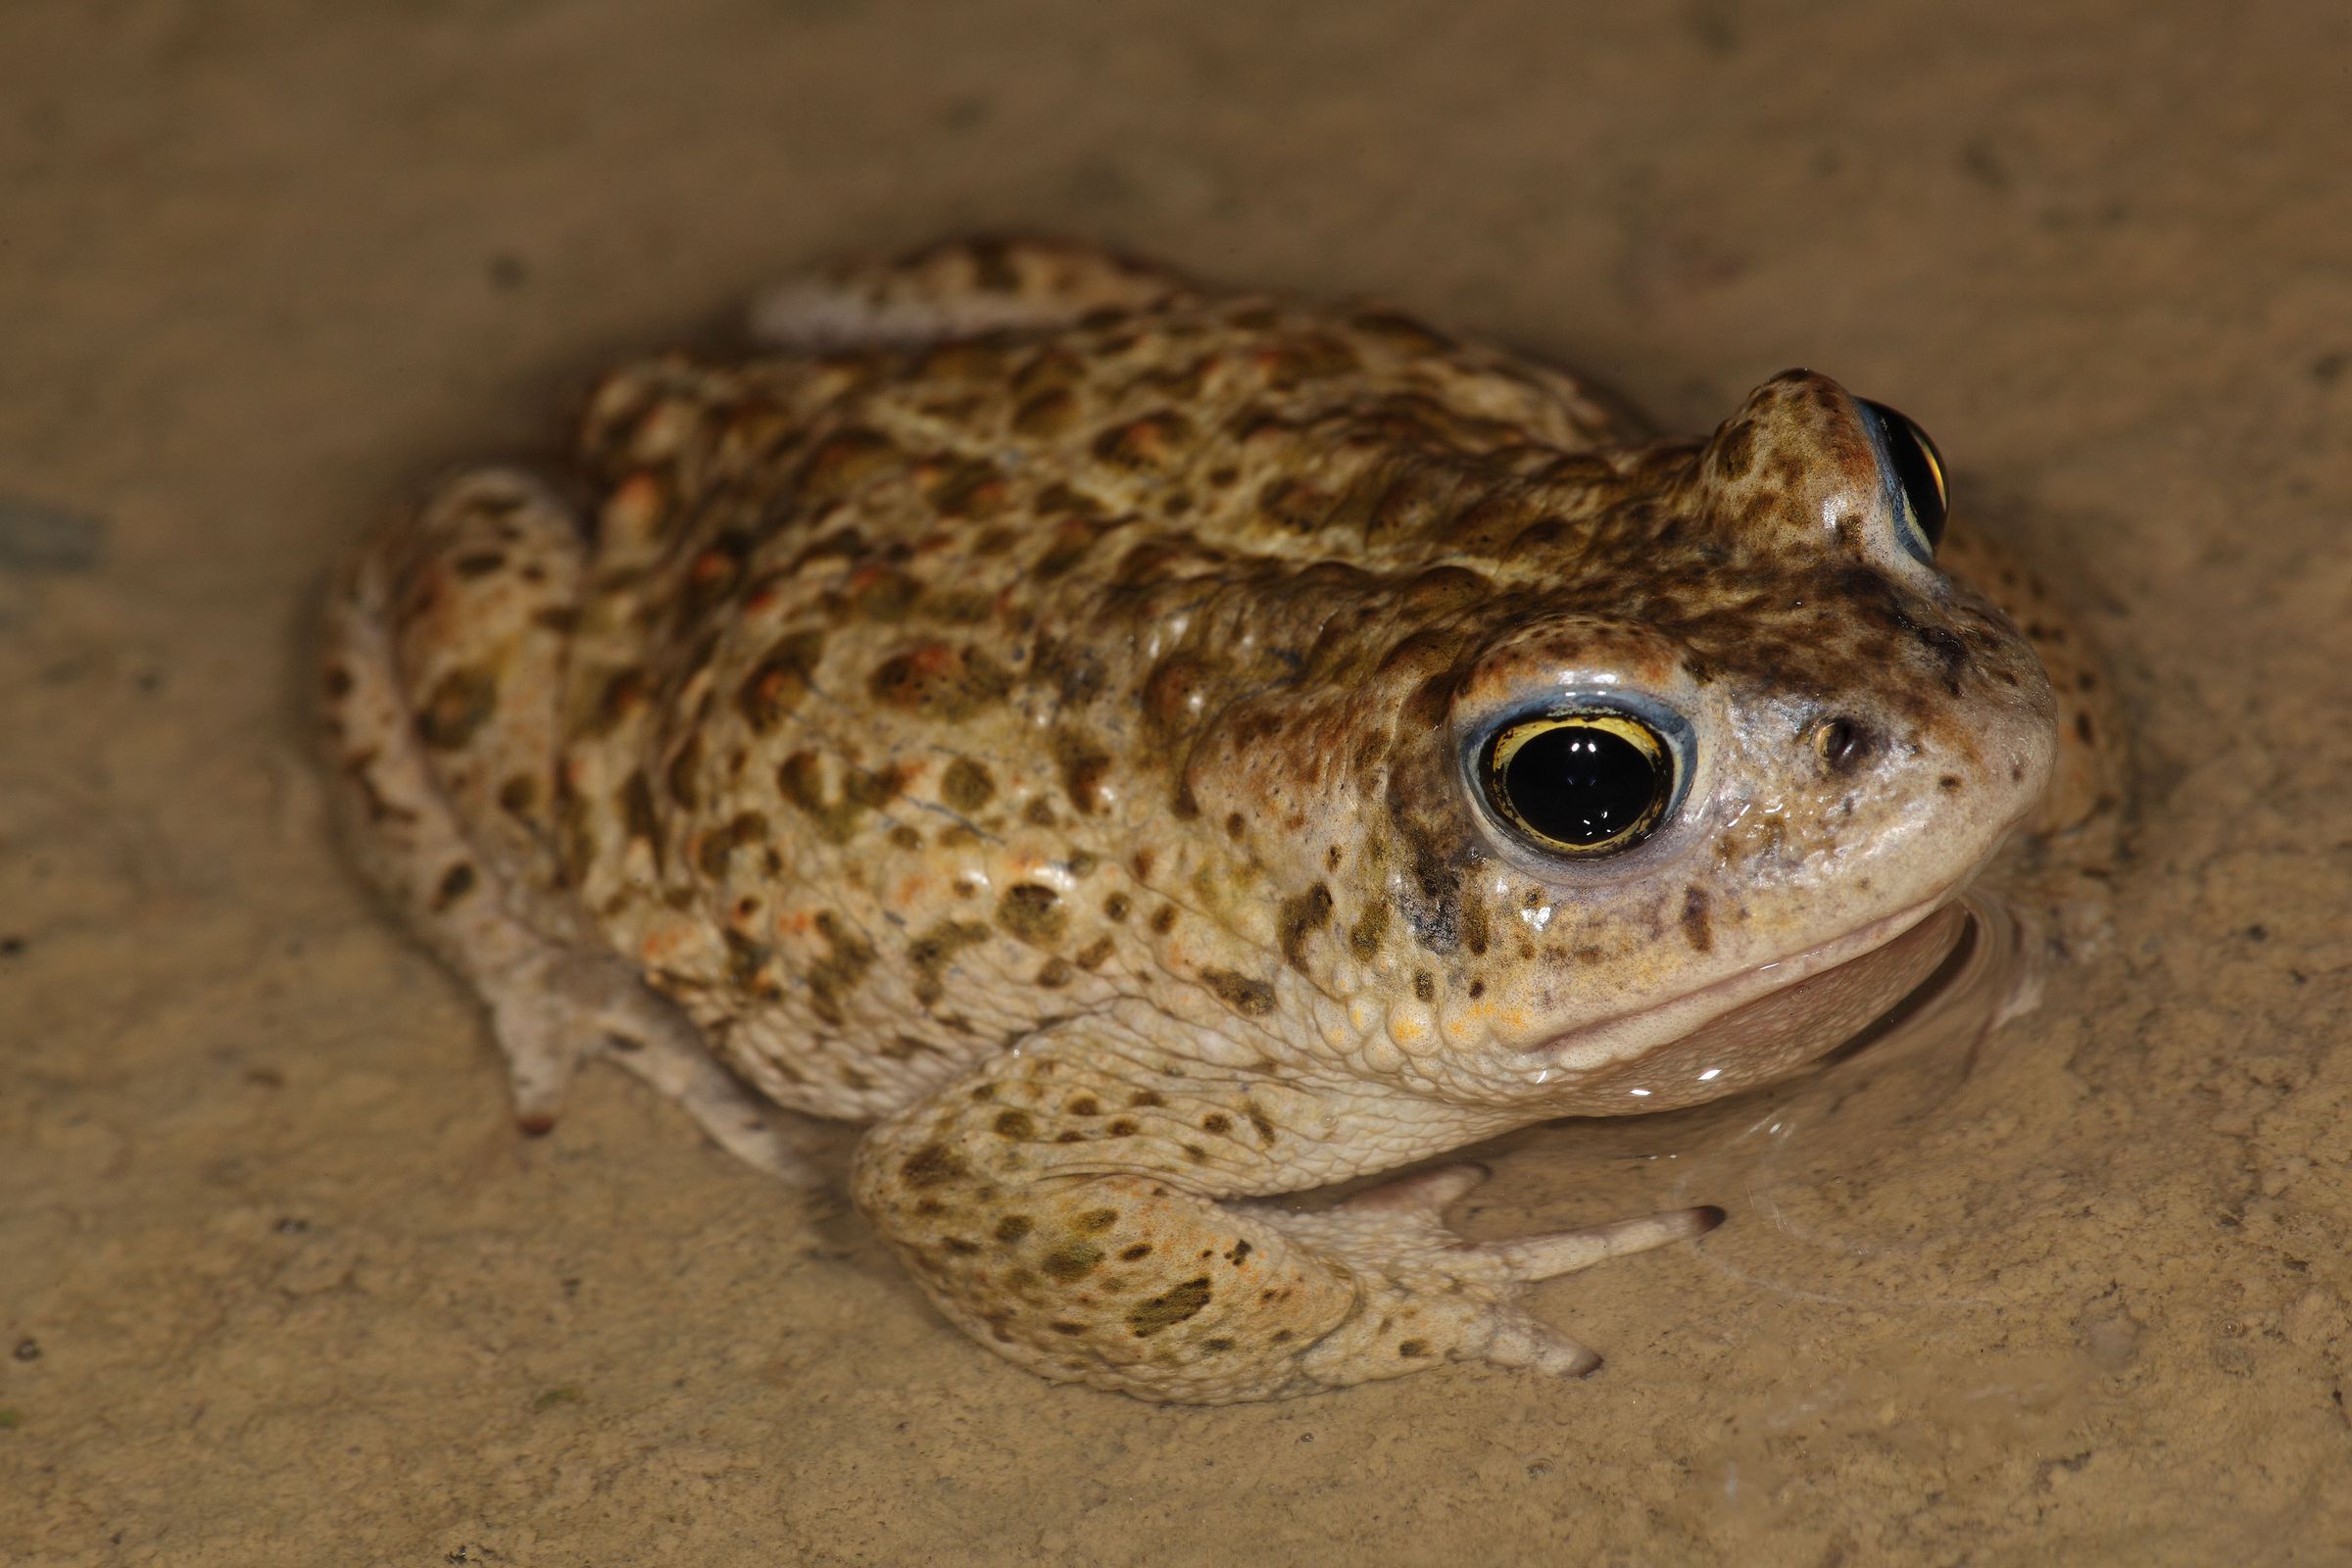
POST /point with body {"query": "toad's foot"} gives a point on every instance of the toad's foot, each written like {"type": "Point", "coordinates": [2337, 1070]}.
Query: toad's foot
{"type": "Point", "coordinates": [555, 1010]}
{"type": "Point", "coordinates": [1095, 1208]}
{"type": "Point", "coordinates": [1439, 1294]}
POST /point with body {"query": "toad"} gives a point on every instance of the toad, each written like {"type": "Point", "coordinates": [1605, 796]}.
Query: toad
{"type": "Point", "coordinates": [1149, 750]}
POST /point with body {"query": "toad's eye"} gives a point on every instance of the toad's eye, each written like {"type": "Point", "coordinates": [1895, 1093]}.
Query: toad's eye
{"type": "Point", "coordinates": [1917, 474]}
{"type": "Point", "coordinates": [1578, 783]}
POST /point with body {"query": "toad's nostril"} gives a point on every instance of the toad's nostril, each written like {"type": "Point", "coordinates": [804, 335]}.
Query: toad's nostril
{"type": "Point", "coordinates": [1844, 744]}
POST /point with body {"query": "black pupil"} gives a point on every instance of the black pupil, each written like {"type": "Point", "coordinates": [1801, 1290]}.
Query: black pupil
{"type": "Point", "coordinates": [1581, 784]}
{"type": "Point", "coordinates": [1915, 469]}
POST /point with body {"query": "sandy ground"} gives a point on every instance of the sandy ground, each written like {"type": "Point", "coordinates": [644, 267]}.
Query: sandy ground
{"type": "Point", "coordinates": [282, 1284]}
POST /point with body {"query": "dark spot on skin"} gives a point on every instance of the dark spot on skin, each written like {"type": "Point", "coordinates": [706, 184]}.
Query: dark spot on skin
{"type": "Point", "coordinates": [1240, 1253]}
{"type": "Point", "coordinates": [1032, 913]}
{"type": "Point", "coordinates": [519, 796]}
{"type": "Point", "coordinates": [1280, 1336]}
{"type": "Point", "coordinates": [747, 963]}
{"type": "Point", "coordinates": [1071, 545]}
{"type": "Point", "coordinates": [1425, 988]}
{"type": "Point", "coordinates": [1067, 1328]}
{"type": "Point", "coordinates": [1217, 1123]}
{"type": "Point", "coordinates": [1085, 1105]}
{"type": "Point", "coordinates": [460, 705]}
{"type": "Point", "coordinates": [1096, 1221]}
{"type": "Point", "coordinates": [1697, 928]}
{"type": "Point", "coordinates": [1146, 443]}
{"type": "Point", "coordinates": [1115, 907]}
{"type": "Point", "coordinates": [1195, 1153]}
{"type": "Point", "coordinates": [1094, 954]}
{"type": "Point", "coordinates": [1047, 414]}
{"type": "Point", "coordinates": [1015, 1124]}
{"type": "Point", "coordinates": [847, 460]}
{"type": "Point", "coordinates": [1233, 825]}
{"type": "Point", "coordinates": [1364, 937]}
{"type": "Point", "coordinates": [1475, 930]}
{"type": "Point", "coordinates": [934, 950]}
{"type": "Point", "coordinates": [1164, 920]}
{"type": "Point", "coordinates": [961, 1248]}
{"type": "Point", "coordinates": [1413, 1347]}
{"type": "Point", "coordinates": [800, 779]}
{"type": "Point", "coordinates": [932, 680]}
{"type": "Point", "coordinates": [1734, 449]}
{"type": "Point", "coordinates": [622, 695]}
{"type": "Point", "coordinates": [780, 680]}
{"type": "Point", "coordinates": [833, 978]}
{"type": "Point", "coordinates": [966, 786]}
{"type": "Point", "coordinates": [1171, 1307]}
{"type": "Point", "coordinates": [1136, 1253]}
{"type": "Point", "coordinates": [1950, 781]}
{"type": "Point", "coordinates": [1145, 1100]}
{"type": "Point", "coordinates": [1220, 1343]}
{"type": "Point", "coordinates": [932, 1164]}
{"type": "Point", "coordinates": [1251, 999]}
{"type": "Point", "coordinates": [456, 882]}
{"type": "Point", "coordinates": [1083, 766]}
{"type": "Point", "coordinates": [1071, 1260]}
{"type": "Point", "coordinates": [1121, 1128]}
{"type": "Point", "coordinates": [1054, 974]}
{"type": "Point", "coordinates": [2083, 731]}
{"type": "Point", "coordinates": [1301, 917]}
{"type": "Point", "coordinates": [1012, 1227]}
{"type": "Point", "coordinates": [1259, 1123]}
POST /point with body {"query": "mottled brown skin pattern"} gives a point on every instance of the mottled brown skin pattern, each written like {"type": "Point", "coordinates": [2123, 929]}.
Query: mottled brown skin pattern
{"type": "Point", "coordinates": [1029, 711]}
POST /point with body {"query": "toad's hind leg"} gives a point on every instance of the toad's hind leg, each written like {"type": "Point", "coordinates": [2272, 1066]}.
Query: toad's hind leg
{"type": "Point", "coordinates": [1101, 1209]}
{"type": "Point", "coordinates": [956, 289]}
{"type": "Point", "coordinates": [445, 647]}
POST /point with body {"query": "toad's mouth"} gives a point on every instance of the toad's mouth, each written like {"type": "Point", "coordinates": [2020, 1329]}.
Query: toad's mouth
{"type": "Point", "coordinates": [1758, 1024]}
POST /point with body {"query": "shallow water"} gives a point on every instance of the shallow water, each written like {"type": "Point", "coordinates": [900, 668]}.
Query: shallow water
{"type": "Point", "coordinates": [282, 1286]}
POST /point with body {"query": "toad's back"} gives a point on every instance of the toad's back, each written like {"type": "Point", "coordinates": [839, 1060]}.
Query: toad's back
{"type": "Point", "coordinates": [898, 657]}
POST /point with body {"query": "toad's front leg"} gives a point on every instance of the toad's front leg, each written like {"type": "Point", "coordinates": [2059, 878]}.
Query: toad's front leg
{"type": "Point", "coordinates": [1063, 1205]}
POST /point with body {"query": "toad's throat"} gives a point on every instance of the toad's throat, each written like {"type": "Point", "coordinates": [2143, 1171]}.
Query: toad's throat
{"type": "Point", "coordinates": [1757, 1025]}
